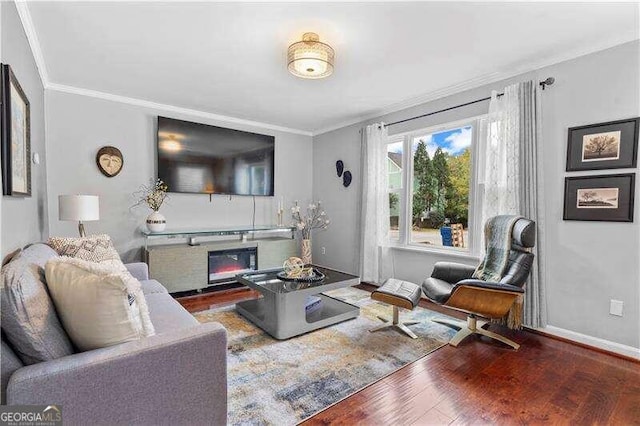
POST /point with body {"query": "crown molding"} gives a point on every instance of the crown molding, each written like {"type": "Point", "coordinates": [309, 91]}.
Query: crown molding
{"type": "Point", "coordinates": [34, 43]}
{"type": "Point", "coordinates": [171, 108]}
{"type": "Point", "coordinates": [477, 82]}
{"type": "Point", "coordinates": [32, 38]}
{"type": "Point", "coordinates": [418, 100]}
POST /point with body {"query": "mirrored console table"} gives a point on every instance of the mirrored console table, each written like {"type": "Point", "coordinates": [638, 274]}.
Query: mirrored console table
{"type": "Point", "coordinates": [194, 259]}
{"type": "Point", "coordinates": [241, 231]}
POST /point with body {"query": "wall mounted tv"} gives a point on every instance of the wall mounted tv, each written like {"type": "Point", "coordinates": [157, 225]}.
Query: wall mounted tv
{"type": "Point", "coordinates": [198, 158]}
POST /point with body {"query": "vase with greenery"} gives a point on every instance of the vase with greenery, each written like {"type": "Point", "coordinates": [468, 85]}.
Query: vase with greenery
{"type": "Point", "coordinates": [316, 218]}
{"type": "Point", "coordinates": [153, 196]}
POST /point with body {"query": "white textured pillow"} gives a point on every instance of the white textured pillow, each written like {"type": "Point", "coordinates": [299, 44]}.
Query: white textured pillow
{"type": "Point", "coordinates": [96, 248]}
{"type": "Point", "coordinates": [99, 305]}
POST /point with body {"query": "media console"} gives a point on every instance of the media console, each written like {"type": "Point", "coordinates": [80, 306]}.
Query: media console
{"type": "Point", "coordinates": [182, 263]}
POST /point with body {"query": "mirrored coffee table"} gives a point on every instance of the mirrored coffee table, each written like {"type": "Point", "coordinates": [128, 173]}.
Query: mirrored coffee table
{"type": "Point", "coordinates": [281, 311]}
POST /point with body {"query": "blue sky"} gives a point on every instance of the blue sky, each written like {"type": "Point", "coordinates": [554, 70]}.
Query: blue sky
{"type": "Point", "coordinates": [453, 141]}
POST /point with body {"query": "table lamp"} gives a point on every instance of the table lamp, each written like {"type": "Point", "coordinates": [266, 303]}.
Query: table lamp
{"type": "Point", "coordinates": [78, 208]}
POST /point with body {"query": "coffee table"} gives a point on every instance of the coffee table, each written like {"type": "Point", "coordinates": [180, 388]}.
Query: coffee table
{"type": "Point", "coordinates": [281, 309]}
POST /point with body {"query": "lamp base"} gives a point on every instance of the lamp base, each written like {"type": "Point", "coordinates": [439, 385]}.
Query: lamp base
{"type": "Point", "coordinates": [81, 230]}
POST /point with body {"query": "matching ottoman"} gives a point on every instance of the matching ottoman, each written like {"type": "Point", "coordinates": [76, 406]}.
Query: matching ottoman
{"type": "Point", "coordinates": [399, 294]}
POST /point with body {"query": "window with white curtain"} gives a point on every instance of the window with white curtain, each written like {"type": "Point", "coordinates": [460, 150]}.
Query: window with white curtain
{"type": "Point", "coordinates": [433, 187]}
{"type": "Point", "coordinates": [395, 164]}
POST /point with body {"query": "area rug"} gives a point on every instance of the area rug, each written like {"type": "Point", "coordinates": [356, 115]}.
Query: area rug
{"type": "Point", "coordinates": [273, 382]}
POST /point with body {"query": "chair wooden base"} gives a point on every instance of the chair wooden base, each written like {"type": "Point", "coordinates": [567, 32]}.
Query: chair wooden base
{"type": "Point", "coordinates": [473, 326]}
{"type": "Point", "coordinates": [396, 324]}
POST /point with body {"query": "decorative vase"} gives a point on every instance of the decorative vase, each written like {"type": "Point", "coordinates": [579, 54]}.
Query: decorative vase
{"type": "Point", "coordinates": [156, 222]}
{"type": "Point", "coordinates": [306, 251]}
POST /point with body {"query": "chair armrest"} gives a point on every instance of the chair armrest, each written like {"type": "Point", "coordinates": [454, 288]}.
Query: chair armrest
{"type": "Point", "coordinates": [489, 285]}
{"type": "Point", "coordinates": [452, 272]}
{"type": "Point", "coordinates": [177, 377]}
{"type": "Point", "coordinates": [139, 270]}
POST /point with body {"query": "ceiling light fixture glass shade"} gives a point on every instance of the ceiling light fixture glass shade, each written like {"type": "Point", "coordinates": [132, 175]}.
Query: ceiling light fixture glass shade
{"type": "Point", "coordinates": [310, 58]}
{"type": "Point", "coordinates": [171, 144]}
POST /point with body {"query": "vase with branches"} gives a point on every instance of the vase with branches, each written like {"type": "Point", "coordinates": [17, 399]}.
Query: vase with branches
{"type": "Point", "coordinates": [153, 195]}
{"type": "Point", "coordinates": [315, 218]}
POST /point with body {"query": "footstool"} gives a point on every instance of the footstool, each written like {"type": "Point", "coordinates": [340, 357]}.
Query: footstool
{"type": "Point", "coordinates": [399, 294]}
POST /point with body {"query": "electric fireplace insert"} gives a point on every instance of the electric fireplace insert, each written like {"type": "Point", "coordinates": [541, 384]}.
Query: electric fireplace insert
{"type": "Point", "coordinates": [224, 265]}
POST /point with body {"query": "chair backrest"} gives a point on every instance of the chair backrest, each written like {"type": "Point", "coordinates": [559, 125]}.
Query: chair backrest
{"type": "Point", "coordinates": [520, 260]}
{"type": "Point", "coordinates": [518, 268]}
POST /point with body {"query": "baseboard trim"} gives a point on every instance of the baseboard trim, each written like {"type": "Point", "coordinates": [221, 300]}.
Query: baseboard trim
{"type": "Point", "coordinates": [601, 345]}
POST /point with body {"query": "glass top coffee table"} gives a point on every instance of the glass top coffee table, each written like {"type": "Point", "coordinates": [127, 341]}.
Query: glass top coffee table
{"type": "Point", "coordinates": [281, 311]}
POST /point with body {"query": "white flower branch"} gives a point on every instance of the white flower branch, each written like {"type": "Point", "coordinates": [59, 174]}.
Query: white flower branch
{"type": "Point", "coordinates": [316, 218]}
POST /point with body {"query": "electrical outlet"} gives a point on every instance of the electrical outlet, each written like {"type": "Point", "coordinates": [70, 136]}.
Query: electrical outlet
{"type": "Point", "coordinates": [324, 250]}
{"type": "Point", "coordinates": [615, 307]}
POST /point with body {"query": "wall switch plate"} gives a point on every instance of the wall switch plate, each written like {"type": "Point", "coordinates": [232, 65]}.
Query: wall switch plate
{"type": "Point", "coordinates": [616, 307]}
{"type": "Point", "coordinates": [324, 250]}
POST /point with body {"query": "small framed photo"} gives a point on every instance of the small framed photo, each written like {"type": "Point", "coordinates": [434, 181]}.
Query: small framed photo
{"type": "Point", "coordinates": [15, 138]}
{"type": "Point", "coordinates": [607, 198]}
{"type": "Point", "coordinates": [612, 145]}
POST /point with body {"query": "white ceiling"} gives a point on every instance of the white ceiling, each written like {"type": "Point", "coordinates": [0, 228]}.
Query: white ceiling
{"type": "Point", "coordinates": [230, 58]}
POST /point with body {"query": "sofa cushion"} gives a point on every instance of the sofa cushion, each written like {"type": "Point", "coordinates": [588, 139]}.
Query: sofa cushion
{"type": "Point", "coordinates": [9, 363]}
{"type": "Point", "coordinates": [139, 270]}
{"type": "Point", "coordinates": [94, 248]}
{"type": "Point", "coordinates": [167, 314]}
{"type": "Point", "coordinates": [28, 314]}
{"type": "Point", "coordinates": [152, 286]}
{"type": "Point", "coordinates": [100, 305]}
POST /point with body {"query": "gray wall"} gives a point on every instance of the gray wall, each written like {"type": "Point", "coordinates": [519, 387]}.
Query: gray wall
{"type": "Point", "coordinates": [79, 125]}
{"type": "Point", "coordinates": [588, 263]}
{"type": "Point", "coordinates": [24, 220]}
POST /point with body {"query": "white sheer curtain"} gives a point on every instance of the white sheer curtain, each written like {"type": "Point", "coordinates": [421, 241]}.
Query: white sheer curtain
{"type": "Point", "coordinates": [500, 164]}
{"type": "Point", "coordinates": [375, 261]}
{"type": "Point", "coordinates": [510, 177]}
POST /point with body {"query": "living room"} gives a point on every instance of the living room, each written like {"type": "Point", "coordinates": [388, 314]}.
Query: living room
{"type": "Point", "coordinates": [418, 135]}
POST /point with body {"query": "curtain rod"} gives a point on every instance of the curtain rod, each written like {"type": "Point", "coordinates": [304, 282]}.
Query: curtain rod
{"type": "Point", "coordinates": [547, 82]}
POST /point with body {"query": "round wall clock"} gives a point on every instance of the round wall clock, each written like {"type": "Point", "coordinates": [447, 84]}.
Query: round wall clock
{"type": "Point", "coordinates": [109, 160]}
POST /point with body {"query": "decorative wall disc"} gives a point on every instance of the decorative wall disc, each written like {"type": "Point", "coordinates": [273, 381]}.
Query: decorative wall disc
{"type": "Point", "coordinates": [109, 160]}
{"type": "Point", "coordinates": [346, 179]}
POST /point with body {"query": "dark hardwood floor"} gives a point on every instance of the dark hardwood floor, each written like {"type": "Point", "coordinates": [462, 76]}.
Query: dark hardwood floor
{"type": "Point", "coordinates": [482, 382]}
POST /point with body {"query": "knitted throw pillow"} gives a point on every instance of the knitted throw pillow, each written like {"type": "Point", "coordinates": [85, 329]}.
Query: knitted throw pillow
{"type": "Point", "coordinates": [94, 248]}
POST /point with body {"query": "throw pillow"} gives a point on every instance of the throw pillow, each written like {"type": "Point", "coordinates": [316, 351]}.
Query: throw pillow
{"type": "Point", "coordinates": [27, 313]}
{"type": "Point", "coordinates": [94, 248]}
{"type": "Point", "coordinates": [99, 304]}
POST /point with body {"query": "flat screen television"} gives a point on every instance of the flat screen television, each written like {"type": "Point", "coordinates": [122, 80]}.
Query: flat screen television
{"type": "Point", "coordinates": [198, 158]}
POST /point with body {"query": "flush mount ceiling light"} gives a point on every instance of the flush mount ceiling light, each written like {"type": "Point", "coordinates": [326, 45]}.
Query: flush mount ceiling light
{"type": "Point", "coordinates": [171, 144]}
{"type": "Point", "coordinates": [310, 58]}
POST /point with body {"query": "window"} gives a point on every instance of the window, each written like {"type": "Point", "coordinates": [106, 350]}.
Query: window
{"type": "Point", "coordinates": [395, 162]}
{"type": "Point", "coordinates": [434, 208]}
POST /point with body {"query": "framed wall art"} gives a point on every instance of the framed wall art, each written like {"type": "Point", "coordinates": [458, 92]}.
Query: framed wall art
{"type": "Point", "coordinates": [15, 138]}
{"type": "Point", "coordinates": [612, 145]}
{"type": "Point", "coordinates": [607, 198]}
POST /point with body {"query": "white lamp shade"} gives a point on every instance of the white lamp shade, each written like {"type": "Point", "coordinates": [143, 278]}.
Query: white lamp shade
{"type": "Point", "coordinates": [78, 207]}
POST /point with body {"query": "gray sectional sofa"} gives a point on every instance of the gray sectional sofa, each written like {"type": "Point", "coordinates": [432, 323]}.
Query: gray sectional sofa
{"type": "Point", "coordinates": [178, 376]}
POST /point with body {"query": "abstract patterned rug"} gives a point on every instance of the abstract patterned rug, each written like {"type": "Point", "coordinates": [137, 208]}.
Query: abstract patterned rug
{"type": "Point", "coordinates": [284, 382]}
